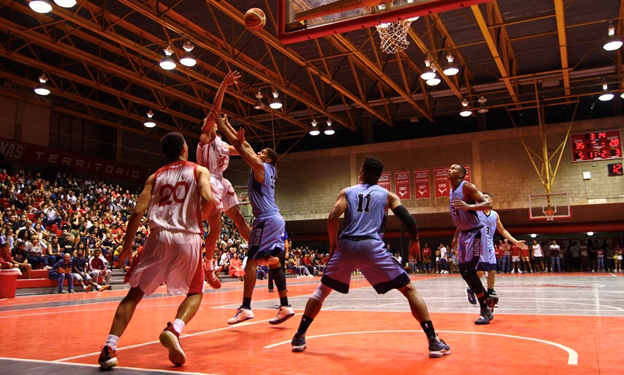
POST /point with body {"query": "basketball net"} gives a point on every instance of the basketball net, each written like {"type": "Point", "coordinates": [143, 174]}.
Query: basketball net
{"type": "Point", "coordinates": [549, 212]}
{"type": "Point", "coordinates": [393, 35]}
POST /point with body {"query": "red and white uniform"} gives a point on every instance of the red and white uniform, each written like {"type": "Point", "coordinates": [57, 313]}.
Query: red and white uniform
{"type": "Point", "coordinates": [172, 253]}
{"type": "Point", "coordinates": [215, 156]}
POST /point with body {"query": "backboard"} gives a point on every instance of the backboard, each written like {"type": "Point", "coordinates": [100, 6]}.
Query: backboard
{"type": "Point", "coordinates": [300, 20]}
{"type": "Point", "coordinates": [549, 206]}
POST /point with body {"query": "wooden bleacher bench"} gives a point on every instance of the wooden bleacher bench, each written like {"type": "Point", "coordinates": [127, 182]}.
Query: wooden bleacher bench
{"type": "Point", "coordinates": [40, 280]}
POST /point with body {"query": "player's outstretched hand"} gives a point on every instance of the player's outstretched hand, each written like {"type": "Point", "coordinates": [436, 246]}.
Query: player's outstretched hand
{"type": "Point", "coordinates": [231, 78]}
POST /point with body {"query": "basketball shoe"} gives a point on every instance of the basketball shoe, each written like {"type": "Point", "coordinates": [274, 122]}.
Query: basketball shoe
{"type": "Point", "coordinates": [170, 339]}
{"type": "Point", "coordinates": [492, 302]}
{"type": "Point", "coordinates": [284, 313]}
{"type": "Point", "coordinates": [471, 296]}
{"type": "Point", "coordinates": [212, 278]}
{"type": "Point", "coordinates": [437, 347]}
{"type": "Point", "coordinates": [108, 358]}
{"type": "Point", "coordinates": [298, 343]}
{"type": "Point", "coordinates": [242, 314]}
{"type": "Point", "coordinates": [485, 317]}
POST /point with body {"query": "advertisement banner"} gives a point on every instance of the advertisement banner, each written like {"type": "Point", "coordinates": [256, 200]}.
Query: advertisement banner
{"type": "Point", "coordinates": [33, 156]}
{"type": "Point", "coordinates": [402, 185]}
{"type": "Point", "coordinates": [422, 184]}
{"type": "Point", "coordinates": [384, 181]}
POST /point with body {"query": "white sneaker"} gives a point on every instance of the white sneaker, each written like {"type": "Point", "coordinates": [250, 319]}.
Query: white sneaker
{"type": "Point", "coordinates": [284, 313]}
{"type": "Point", "coordinates": [519, 271]}
{"type": "Point", "coordinates": [242, 314]}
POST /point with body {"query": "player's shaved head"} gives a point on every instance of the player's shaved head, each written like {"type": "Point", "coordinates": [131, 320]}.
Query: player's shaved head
{"type": "Point", "coordinates": [171, 145]}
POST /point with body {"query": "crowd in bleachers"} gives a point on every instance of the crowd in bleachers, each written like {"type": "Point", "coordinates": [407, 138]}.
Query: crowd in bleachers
{"type": "Point", "coordinates": [44, 220]}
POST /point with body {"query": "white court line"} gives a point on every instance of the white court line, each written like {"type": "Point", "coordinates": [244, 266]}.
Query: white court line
{"type": "Point", "coordinates": [74, 311]}
{"type": "Point", "coordinates": [97, 366]}
{"type": "Point", "coordinates": [572, 354]}
{"type": "Point", "coordinates": [242, 324]}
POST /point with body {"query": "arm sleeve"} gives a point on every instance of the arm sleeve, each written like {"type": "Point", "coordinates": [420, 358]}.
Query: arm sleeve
{"type": "Point", "coordinates": [409, 221]}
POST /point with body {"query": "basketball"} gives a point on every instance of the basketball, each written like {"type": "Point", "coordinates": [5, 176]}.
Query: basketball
{"type": "Point", "coordinates": [255, 19]}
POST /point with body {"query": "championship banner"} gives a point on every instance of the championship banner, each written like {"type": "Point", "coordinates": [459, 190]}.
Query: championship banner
{"type": "Point", "coordinates": [467, 178]}
{"type": "Point", "coordinates": [441, 183]}
{"type": "Point", "coordinates": [384, 181]}
{"type": "Point", "coordinates": [38, 156]}
{"type": "Point", "coordinates": [422, 184]}
{"type": "Point", "coordinates": [402, 185]}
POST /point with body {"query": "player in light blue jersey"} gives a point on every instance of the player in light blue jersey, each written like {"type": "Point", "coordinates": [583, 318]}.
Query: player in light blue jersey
{"type": "Point", "coordinates": [470, 237]}
{"type": "Point", "coordinates": [360, 246]}
{"type": "Point", "coordinates": [491, 221]}
{"type": "Point", "coordinates": [266, 245]}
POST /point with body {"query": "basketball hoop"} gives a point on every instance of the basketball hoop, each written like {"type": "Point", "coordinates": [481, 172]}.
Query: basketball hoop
{"type": "Point", "coordinates": [549, 212]}
{"type": "Point", "coordinates": [393, 35]}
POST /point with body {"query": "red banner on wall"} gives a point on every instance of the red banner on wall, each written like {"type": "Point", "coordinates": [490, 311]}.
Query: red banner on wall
{"type": "Point", "coordinates": [402, 185]}
{"type": "Point", "coordinates": [384, 181]}
{"type": "Point", "coordinates": [422, 184]}
{"type": "Point", "coordinates": [467, 178]}
{"type": "Point", "coordinates": [441, 183]}
{"type": "Point", "coordinates": [38, 156]}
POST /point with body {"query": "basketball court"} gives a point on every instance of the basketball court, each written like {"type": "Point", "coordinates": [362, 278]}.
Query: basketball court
{"type": "Point", "coordinates": [545, 324]}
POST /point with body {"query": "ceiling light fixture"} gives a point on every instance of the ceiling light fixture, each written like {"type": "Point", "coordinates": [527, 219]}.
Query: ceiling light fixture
{"type": "Point", "coordinates": [65, 3]}
{"type": "Point", "coordinates": [533, 235]}
{"type": "Point", "coordinates": [275, 102]}
{"type": "Point", "coordinates": [451, 68]}
{"type": "Point", "coordinates": [428, 73]}
{"type": "Point", "coordinates": [622, 95]}
{"type": "Point", "coordinates": [188, 59]}
{"type": "Point", "coordinates": [465, 112]}
{"type": "Point", "coordinates": [590, 233]}
{"type": "Point", "coordinates": [41, 88]}
{"type": "Point", "coordinates": [434, 81]}
{"type": "Point", "coordinates": [482, 107]}
{"type": "Point", "coordinates": [149, 123]}
{"type": "Point", "coordinates": [613, 42]}
{"type": "Point", "coordinates": [259, 104]}
{"type": "Point", "coordinates": [606, 95]}
{"type": "Point", "coordinates": [167, 62]}
{"type": "Point", "coordinates": [314, 132]}
{"type": "Point", "coordinates": [40, 6]}
{"type": "Point", "coordinates": [329, 130]}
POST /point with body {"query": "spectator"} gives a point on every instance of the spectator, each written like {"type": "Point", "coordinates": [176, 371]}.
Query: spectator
{"type": "Point", "coordinates": [97, 267]}
{"type": "Point", "coordinates": [19, 259]}
{"type": "Point", "coordinates": [81, 271]}
{"type": "Point", "coordinates": [63, 270]}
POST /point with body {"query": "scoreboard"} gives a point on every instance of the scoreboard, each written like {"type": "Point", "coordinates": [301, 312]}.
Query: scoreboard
{"type": "Point", "coordinates": [602, 145]}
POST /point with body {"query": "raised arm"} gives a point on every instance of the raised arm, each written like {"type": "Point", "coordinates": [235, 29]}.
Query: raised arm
{"type": "Point", "coordinates": [231, 78]}
{"type": "Point", "coordinates": [244, 149]}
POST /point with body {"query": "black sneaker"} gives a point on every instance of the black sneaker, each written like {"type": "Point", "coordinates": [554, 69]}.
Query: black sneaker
{"type": "Point", "coordinates": [298, 343]}
{"type": "Point", "coordinates": [438, 348]}
{"type": "Point", "coordinates": [471, 296]}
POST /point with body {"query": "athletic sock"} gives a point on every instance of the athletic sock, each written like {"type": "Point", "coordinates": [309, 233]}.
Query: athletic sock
{"type": "Point", "coordinates": [482, 300]}
{"type": "Point", "coordinates": [111, 341]}
{"type": "Point", "coordinates": [283, 301]}
{"type": "Point", "coordinates": [178, 325]}
{"type": "Point", "coordinates": [427, 326]}
{"type": "Point", "coordinates": [247, 302]}
{"type": "Point", "coordinates": [305, 323]}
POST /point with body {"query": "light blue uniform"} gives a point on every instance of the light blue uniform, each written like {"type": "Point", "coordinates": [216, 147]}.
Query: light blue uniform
{"type": "Point", "coordinates": [490, 220]}
{"type": "Point", "coordinates": [360, 245]}
{"type": "Point", "coordinates": [268, 226]}
{"type": "Point", "coordinates": [472, 248]}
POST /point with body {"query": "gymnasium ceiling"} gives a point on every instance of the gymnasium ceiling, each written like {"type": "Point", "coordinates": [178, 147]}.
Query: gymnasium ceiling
{"type": "Point", "coordinates": [102, 60]}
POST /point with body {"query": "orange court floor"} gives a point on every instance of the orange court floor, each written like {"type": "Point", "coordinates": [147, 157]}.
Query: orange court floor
{"type": "Point", "coordinates": [545, 324]}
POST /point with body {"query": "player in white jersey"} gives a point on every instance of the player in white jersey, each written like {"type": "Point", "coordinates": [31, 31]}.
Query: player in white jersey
{"type": "Point", "coordinates": [176, 197]}
{"type": "Point", "coordinates": [491, 221]}
{"type": "Point", "coordinates": [470, 237]}
{"type": "Point", "coordinates": [214, 154]}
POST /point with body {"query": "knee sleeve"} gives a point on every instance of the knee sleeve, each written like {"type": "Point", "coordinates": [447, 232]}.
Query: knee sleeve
{"type": "Point", "coordinates": [319, 294]}
{"type": "Point", "coordinates": [473, 281]}
{"type": "Point", "coordinates": [279, 278]}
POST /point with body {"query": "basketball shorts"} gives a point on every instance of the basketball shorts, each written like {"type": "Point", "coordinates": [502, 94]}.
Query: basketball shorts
{"type": "Point", "coordinates": [266, 237]}
{"type": "Point", "coordinates": [473, 250]}
{"type": "Point", "coordinates": [492, 258]}
{"type": "Point", "coordinates": [171, 257]}
{"type": "Point", "coordinates": [515, 258]}
{"type": "Point", "coordinates": [370, 256]}
{"type": "Point", "coordinates": [223, 193]}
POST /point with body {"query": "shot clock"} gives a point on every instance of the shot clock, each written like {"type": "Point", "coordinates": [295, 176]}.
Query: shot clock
{"type": "Point", "coordinates": [601, 145]}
